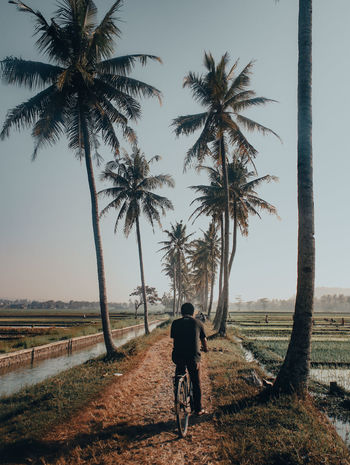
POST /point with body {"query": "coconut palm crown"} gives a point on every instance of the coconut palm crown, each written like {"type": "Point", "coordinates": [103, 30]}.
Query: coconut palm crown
{"type": "Point", "coordinates": [132, 192]}
{"type": "Point", "coordinates": [85, 89]}
{"type": "Point", "coordinates": [224, 94]}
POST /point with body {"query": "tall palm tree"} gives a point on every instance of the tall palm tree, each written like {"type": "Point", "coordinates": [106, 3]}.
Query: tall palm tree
{"type": "Point", "coordinates": [243, 198]}
{"type": "Point", "coordinates": [132, 195]}
{"type": "Point", "coordinates": [176, 248]}
{"type": "Point", "coordinates": [294, 372]}
{"type": "Point", "coordinates": [224, 94]}
{"type": "Point", "coordinates": [84, 91]}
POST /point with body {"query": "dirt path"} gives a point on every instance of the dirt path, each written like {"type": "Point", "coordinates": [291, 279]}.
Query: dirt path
{"type": "Point", "coordinates": [132, 422]}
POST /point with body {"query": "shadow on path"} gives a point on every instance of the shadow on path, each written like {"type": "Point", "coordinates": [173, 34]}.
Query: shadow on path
{"type": "Point", "coordinates": [29, 451]}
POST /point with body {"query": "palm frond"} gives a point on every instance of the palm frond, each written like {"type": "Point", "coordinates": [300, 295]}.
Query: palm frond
{"type": "Point", "coordinates": [254, 126]}
{"type": "Point", "coordinates": [200, 148]}
{"type": "Point", "coordinates": [103, 125]}
{"type": "Point", "coordinates": [199, 89]}
{"type": "Point", "coordinates": [28, 73]}
{"type": "Point", "coordinates": [48, 128]}
{"type": "Point", "coordinates": [132, 87]}
{"type": "Point", "coordinates": [244, 95]}
{"type": "Point", "coordinates": [237, 139]}
{"type": "Point", "coordinates": [123, 65]}
{"type": "Point", "coordinates": [125, 102]}
{"type": "Point", "coordinates": [25, 114]}
{"type": "Point", "coordinates": [238, 105]}
{"type": "Point", "coordinates": [209, 62]}
{"type": "Point", "coordinates": [188, 124]}
{"type": "Point", "coordinates": [132, 212]}
{"type": "Point", "coordinates": [119, 197]}
{"type": "Point", "coordinates": [256, 182]}
{"type": "Point", "coordinates": [240, 83]}
{"type": "Point", "coordinates": [101, 45]}
{"type": "Point", "coordinates": [51, 39]}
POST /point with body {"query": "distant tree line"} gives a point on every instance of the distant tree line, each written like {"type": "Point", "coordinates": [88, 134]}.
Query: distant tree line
{"type": "Point", "coordinates": [325, 303]}
{"type": "Point", "coordinates": [58, 304]}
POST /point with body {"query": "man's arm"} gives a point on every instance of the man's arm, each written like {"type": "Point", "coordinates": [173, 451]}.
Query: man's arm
{"type": "Point", "coordinates": [204, 344]}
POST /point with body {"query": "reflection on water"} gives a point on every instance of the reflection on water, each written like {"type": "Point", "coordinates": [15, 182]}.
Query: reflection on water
{"type": "Point", "coordinates": [12, 382]}
{"type": "Point", "coordinates": [326, 375]}
{"type": "Point", "coordinates": [343, 429]}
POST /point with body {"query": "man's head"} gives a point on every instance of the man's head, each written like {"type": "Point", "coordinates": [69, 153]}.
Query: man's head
{"type": "Point", "coordinates": [187, 309]}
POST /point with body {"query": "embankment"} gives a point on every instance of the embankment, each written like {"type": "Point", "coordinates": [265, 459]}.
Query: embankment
{"type": "Point", "coordinates": [55, 348]}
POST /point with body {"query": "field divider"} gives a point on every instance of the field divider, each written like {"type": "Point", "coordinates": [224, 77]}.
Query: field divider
{"type": "Point", "coordinates": [67, 345]}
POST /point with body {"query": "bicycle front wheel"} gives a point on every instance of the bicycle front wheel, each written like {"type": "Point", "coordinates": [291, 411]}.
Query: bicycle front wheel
{"type": "Point", "coordinates": [182, 407]}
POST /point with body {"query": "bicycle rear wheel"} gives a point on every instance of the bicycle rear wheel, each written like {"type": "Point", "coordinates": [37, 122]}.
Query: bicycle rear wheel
{"type": "Point", "coordinates": [182, 405]}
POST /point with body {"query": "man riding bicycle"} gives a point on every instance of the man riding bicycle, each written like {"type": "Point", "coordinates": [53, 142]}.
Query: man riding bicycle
{"type": "Point", "coordinates": [187, 332]}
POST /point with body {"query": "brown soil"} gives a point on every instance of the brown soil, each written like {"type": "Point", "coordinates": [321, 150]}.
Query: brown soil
{"type": "Point", "coordinates": [132, 421]}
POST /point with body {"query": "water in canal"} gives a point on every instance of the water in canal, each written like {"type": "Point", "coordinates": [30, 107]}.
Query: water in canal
{"type": "Point", "coordinates": [27, 375]}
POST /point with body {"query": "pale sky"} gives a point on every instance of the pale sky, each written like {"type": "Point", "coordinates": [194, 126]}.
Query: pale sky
{"type": "Point", "coordinates": [46, 247]}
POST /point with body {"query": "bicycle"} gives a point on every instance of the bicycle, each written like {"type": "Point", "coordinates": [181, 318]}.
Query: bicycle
{"type": "Point", "coordinates": [183, 402]}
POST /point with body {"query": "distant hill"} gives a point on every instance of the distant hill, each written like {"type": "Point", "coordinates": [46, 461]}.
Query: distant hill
{"type": "Point", "coordinates": [320, 291]}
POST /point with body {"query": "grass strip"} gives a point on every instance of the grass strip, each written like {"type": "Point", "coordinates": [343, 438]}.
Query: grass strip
{"type": "Point", "coordinates": [261, 431]}
{"type": "Point", "coordinates": [27, 415]}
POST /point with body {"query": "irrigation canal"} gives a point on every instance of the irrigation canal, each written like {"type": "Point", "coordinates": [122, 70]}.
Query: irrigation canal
{"type": "Point", "coordinates": [14, 379]}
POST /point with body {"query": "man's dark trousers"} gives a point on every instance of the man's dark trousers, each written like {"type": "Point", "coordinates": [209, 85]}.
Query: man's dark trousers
{"type": "Point", "coordinates": [193, 370]}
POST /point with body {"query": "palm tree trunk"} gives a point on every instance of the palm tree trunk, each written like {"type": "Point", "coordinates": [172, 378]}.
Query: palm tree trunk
{"type": "Point", "coordinates": [142, 276]}
{"type": "Point", "coordinates": [293, 375]}
{"type": "Point", "coordinates": [234, 244]}
{"type": "Point", "coordinates": [212, 282]}
{"type": "Point", "coordinates": [222, 254]}
{"type": "Point", "coordinates": [206, 292]}
{"type": "Point", "coordinates": [225, 290]}
{"type": "Point", "coordinates": [218, 312]}
{"type": "Point", "coordinates": [180, 287]}
{"type": "Point", "coordinates": [106, 326]}
{"type": "Point", "coordinates": [174, 291]}
{"type": "Point", "coordinates": [177, 286]}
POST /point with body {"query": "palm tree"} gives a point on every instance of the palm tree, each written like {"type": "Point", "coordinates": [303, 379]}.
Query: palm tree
{"type": "Point", "coordinates": [85, 91]}
{"type": "Point", "coordinates": [204, 257]}
{"type": "Point", "coordinates": [212, 204]}
{"type": "Point", "coordinates": [244, 201]}
{"type": "Point", "coordinates": [132, 194]}
{"type": "Point", "coordinates": [224, 94]}
{"type": "Point", "coordinates": [294, 372]}
{"type": "Point", "coordinates": [169, 269]}
{"type": "Point", "coordinates": [176, 248]}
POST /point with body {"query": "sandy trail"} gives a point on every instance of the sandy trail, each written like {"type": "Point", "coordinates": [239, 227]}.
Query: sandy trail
{"type": "Point", "coordinates": [132, 421]}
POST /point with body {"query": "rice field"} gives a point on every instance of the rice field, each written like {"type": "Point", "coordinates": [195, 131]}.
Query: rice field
{"type": "Point", "coordinates": [267, 336]}
{"type": "Point", "coordinates": [30, 328]}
